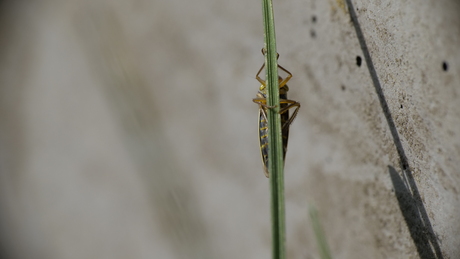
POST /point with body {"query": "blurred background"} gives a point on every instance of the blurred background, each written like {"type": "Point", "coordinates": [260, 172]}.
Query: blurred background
{"type": "Point", "coordinates": [127, 129]}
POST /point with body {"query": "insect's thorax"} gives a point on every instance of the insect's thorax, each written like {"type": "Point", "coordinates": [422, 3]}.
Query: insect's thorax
{"type": "Point", "coordinates": [282, 91]}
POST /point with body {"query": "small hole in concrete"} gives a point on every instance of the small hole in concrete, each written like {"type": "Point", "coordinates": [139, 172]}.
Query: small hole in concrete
{"type": "Point", "coordinates": [343, 87]}
{"type": "Point", "coordinates": [358, 61]}
{"type": "Point", "coordinates": [313, 33]}
{"type": "Point", "coordinates": [313, 19]}
{"type": "Point", "coordinates": [401, 106]}
{"type": "Point", "coordinates": [445, 66]}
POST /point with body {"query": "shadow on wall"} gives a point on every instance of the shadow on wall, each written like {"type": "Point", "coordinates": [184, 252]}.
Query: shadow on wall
{"type": "Point", "coordinates": [406, 190]}
{"type": "Point", "coordinates": [415, 215]}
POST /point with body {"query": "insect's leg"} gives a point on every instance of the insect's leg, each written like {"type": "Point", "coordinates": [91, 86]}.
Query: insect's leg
{"type": "Point", "coordinates": [258, 73]}
{"type": "Point", "coordinates": [281, 83]}
{"type": "Point", "coordinates": [285, 80]}
{"type": "Point", "coordinates": [263, 65]}
{"type": "Point", "coordinates": [262, 102]}
{"type": "Point", "coordinates": [291, 104]}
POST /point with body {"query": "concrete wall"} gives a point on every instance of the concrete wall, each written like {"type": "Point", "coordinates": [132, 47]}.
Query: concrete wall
{"type": "Point", "coordinates": [127, 128]}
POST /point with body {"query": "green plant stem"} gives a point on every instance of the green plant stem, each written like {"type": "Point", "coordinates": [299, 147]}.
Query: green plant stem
{"type": "Point", "coordinates": [319, 233]}
{"type": "Point", "coordinates": [275, 154]}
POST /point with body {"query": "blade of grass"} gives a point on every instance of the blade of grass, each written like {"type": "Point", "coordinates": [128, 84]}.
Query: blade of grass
{"type": "Point", "coordinates": [275, 154]}
{"type": "Point", "coordinates": [319, 233]}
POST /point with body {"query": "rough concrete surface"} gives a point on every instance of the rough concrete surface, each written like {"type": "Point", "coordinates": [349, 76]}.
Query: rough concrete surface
{"type": "Point", "coordinates": [128, 131]}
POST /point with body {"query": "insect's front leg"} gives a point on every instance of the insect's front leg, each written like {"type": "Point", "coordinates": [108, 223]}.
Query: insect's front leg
{"type": "Point", "coordinates": [282, 82]}
{"type": "Point", "coordinates": [288, 77]}
{"type": "Point", "coordinates": [258, 77]}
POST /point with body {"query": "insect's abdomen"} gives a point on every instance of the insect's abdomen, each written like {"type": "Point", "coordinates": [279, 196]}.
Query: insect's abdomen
{"type": "Point", "coordinates": [263, 138]}
{"type": "Point", "coordinates": [263, 134]}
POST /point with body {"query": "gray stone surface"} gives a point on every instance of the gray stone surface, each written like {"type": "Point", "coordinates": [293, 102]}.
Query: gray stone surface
{"type": "Point", "coordinates": [127, 129]}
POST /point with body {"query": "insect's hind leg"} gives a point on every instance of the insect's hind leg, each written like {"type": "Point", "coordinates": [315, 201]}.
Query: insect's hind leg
{"type": "Point", "coordinates": [291, 104]}
{"type": "Point", "coordinates": [263, 102]}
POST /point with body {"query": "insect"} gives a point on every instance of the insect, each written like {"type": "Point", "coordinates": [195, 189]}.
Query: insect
{"type": "Point", "coordinates": [285, 106]}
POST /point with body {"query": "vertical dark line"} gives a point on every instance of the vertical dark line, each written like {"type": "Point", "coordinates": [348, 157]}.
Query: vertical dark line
{"type": "Point", "coordinates": [416, 216]}
{"type": "Point", "coordinates": [378, 87]}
